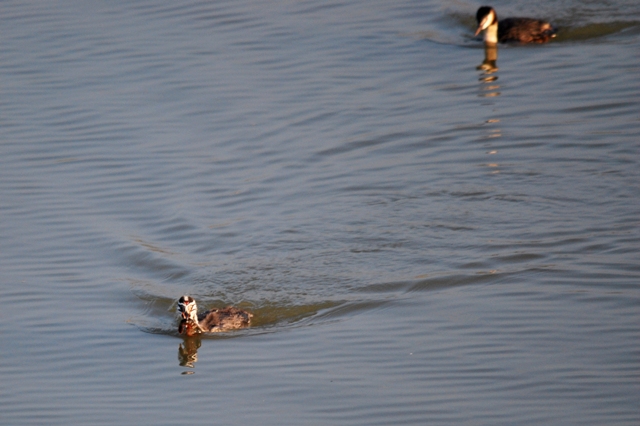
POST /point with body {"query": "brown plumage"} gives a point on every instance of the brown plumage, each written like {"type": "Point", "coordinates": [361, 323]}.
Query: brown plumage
{"type": "Point", "coordinates": [521, 30]}
{"type": "Point", "coordinates": [188, 327]}
{"type": "Point", "coordinates": [215, 320]}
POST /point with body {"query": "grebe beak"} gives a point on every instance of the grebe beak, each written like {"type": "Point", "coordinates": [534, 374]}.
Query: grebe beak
{"type": "Point", "coordinates": [485, 23]}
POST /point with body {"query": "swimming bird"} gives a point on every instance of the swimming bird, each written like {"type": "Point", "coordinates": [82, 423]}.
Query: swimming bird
{"type": "Point", "coordinates": [523, 30]}
{"type": "Point", "coordinates": [212, 321]}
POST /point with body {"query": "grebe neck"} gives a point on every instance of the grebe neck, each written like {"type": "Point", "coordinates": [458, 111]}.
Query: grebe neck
{"type": "Point", "coordinates": [193, 316]}
{"type": "Point", "coordinates": [491, 34]}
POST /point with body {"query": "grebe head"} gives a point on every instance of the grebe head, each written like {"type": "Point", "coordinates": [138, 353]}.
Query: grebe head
{"type": "Point", "coordinates": [486, 17]}
{"type": "Point", "coordinates": [188, 309]}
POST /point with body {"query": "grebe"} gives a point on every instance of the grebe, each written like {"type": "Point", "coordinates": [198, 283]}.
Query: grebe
{"type": "Point", "coordinates": [523, 30]}
{"type": "Point", "coordinates": [212, 321]}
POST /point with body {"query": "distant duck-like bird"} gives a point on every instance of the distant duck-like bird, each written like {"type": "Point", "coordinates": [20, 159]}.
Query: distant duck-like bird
{"type": "Point", "coordinates": [522, 30]}
{"type": "Point", "coordinates": [215, 320]}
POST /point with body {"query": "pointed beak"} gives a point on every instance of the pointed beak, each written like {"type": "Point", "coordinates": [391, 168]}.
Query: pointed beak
{"type": "Point", "coordinates": [485, 23]}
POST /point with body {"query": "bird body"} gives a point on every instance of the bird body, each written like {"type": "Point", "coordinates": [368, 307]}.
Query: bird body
{"type": "Point", "coordinates": [522, 30]}
{"type": "Point", "coordinates": [215, 320]}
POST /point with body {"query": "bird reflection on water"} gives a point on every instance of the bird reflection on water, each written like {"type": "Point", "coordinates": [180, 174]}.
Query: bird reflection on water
{"type": "Point", "coordinates": [489, 67]}
{"type": "Point", "coordinates": [188, 352]}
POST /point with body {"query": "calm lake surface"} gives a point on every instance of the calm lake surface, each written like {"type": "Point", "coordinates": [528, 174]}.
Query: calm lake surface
{"type": "Point", "coordinates": [422, 241]}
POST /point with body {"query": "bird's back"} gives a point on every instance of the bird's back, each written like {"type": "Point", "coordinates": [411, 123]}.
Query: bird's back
{"type": "Point", "coordinates": [524, 30]}
{"type": "Point", "coordinates": [229, 318]}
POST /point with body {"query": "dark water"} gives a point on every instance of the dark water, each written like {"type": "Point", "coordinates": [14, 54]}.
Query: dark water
{"type": "Point", "coordinates": [421, 241]}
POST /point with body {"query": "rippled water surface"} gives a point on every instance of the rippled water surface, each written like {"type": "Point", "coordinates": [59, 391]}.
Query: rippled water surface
{"type": "Point", "coordinates": [426, 233]}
